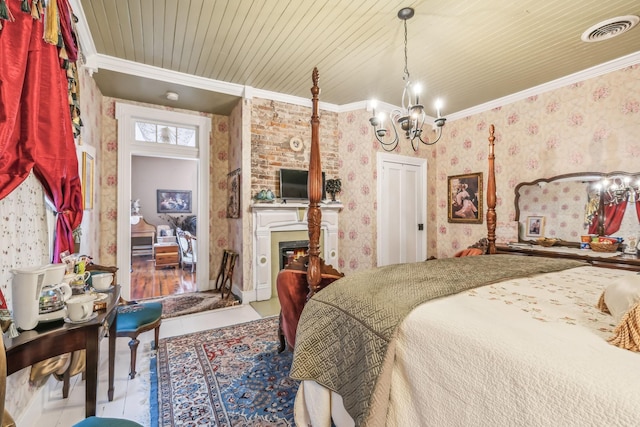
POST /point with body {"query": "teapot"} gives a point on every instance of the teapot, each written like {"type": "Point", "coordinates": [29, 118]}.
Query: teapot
{"type": "Point", "coordinates": [53, 297]}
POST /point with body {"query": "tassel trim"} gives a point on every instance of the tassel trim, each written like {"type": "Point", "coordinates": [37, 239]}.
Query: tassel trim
{"type": "Point", "coordinates": [627, 333]}
{"type": "Point", "coordinates": [5, 13]}
{"type": "Point", "coordinates": [51, 23]}
{"type": "Point", "coordinates": [602, 306]}
{"type": "Point", "coordinates": [36, 9]}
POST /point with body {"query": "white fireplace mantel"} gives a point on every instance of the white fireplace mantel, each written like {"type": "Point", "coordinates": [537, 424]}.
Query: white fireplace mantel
{"type": "Point", "coordinates": [270, 217]}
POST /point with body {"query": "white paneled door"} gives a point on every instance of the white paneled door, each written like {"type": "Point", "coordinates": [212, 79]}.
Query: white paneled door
{"type": "Point", "coordinates": [402, 209]}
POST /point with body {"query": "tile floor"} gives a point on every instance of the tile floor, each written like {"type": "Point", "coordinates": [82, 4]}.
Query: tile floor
{"type": "Point", "coordinates": [131, 397]}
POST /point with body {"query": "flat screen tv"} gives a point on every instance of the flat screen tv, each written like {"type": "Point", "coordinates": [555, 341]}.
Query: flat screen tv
{"type": "Point", "coordinates": [293, 184]}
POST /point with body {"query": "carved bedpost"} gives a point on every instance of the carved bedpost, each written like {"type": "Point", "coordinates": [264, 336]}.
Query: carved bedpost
{"type": "Point", "coordinates": [491, 195]}
{"type": "Point", "coordinates": [314, 185]}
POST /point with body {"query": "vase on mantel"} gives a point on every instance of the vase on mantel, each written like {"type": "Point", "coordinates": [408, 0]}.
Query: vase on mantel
{"type": "Point", "coordinates": [333, 187]}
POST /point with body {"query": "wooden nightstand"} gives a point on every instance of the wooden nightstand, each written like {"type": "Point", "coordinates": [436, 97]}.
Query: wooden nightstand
{"type": "Point", "coordinates": [167, 255]}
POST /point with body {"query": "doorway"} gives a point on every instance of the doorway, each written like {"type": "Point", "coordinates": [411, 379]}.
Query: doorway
{"type": "Point", "coordinates": [402, 209]}
{"type": "Point", "coordinates": [154, 272]}
{"type": "Point", "coordinates": [130, 148]}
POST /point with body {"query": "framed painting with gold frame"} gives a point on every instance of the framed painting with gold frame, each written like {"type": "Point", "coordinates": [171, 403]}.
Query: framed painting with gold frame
{"type": "Point", "coordinates": [465, 198]}
{"type": "Point", "coordinates": [88, 166]}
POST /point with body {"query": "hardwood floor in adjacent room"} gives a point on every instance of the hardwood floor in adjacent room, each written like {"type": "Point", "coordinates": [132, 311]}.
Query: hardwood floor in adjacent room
{"type": "Point", "coordinates": [147, 282]}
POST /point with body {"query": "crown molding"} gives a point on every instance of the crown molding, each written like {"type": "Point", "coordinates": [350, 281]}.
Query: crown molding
{"type": "Point", "coordinates": [589, 73]}
{"type": "Point", "coordinates": [162, 74]}
{"type": "Point", "coordinates": [87, 47]}
{"type": "Point", "coordinates": [291, 99]}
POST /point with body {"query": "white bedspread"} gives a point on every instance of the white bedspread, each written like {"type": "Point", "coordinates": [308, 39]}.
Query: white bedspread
{"type": "Point", "coordinates": [528, 352]}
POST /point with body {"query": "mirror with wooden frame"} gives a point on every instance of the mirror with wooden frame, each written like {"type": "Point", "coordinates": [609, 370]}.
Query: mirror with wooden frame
{"type": "Point", "coordinates": [566, 207]}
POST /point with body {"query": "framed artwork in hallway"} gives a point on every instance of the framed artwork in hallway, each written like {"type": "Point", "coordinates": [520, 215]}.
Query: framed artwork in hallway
{"type": "Point", "coordinates": [174, 201]}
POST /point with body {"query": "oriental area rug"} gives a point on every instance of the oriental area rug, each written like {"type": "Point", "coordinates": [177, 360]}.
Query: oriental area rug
{"type": "Point", "coordinates": [194, 302]}
{"type": "Point", "coordinates": [231, 376]}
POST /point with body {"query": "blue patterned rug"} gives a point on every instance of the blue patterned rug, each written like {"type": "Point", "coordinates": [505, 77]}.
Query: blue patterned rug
{"type": "Point", "coordinates": [232, 376]}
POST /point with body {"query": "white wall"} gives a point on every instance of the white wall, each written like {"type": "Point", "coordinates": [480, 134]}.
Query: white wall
{"type": "Point", "coordinates": [149, 174]}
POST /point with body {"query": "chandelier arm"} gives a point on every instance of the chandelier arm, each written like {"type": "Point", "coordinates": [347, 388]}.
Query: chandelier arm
{"type": "Point", "coordinates": [439, 132]}
{"type": "Point", "coordinates": [392, 143]}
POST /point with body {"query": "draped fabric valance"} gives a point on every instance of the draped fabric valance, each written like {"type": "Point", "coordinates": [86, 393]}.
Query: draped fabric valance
{"type": "Point", "coordinates": [36, 107]}
{"type": "Point", "coordinates": [613, 215]}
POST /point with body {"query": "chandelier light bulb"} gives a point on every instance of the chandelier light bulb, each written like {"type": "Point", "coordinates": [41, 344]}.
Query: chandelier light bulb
{"type": "Point", "coordinates": [438, 106]}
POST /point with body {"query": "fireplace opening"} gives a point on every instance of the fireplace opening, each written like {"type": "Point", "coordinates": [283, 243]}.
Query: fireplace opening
{"type": "Point", "coordinates": [292, 250]}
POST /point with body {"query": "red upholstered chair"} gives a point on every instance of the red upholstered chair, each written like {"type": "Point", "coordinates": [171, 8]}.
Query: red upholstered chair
{"type": "Point", "coordinates": [479, 248]}
{"type": "Point", "coordinates": [469, 252]}
{"type": "Point", "coordinates": [293, 290]}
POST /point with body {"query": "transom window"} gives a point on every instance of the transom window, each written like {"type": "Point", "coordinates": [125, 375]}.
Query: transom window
{"type": "Point", "coordinates": [160, 133]}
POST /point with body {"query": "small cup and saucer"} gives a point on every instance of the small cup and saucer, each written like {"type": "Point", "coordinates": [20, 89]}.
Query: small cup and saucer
{"type": "Point", "coordinates": [80, 309]}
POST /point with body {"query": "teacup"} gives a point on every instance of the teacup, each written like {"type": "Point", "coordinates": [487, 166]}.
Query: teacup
{"type": "Point", "coordinates": [80, 307]}
{"type": "Point", "coordinates": [101, 281]}
{"type": "Point", "coordinates": [76, 279]}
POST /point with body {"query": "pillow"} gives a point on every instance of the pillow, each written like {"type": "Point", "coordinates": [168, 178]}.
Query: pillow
{"type": "Point", "coordinates": [621, 295]}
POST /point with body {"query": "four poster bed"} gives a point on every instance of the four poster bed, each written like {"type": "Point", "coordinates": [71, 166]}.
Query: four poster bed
{"type": "Point", "coordinates": [477, 340]}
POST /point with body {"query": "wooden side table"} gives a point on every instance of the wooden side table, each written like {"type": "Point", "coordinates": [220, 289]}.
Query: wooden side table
{"type": "Point", "coordinates": [166, 255]}
{"type": "Point", "coordinates": [56, 338]}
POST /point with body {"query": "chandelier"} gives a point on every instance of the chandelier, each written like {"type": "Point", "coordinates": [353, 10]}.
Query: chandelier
{"type": "Point", "coordinates": [411, 117]}
{"type": "Point", "coordinates": [618, 189]}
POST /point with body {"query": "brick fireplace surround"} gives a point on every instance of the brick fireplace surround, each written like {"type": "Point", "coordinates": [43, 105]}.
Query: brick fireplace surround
{"type": "Point", "coordinates": [283, 217]}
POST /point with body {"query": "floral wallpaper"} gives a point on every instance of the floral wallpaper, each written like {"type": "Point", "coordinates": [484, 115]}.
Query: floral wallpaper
{"type": "Point", "coordinates": [24, 242]}
{"type": "Point", "coordinates": [236, 230]}
{"type": "Point", "coordinates": [592, 125]}
{"type": "Point", "coordinates": [90, 110]}
{"type": "Point", "coordinates": [357, 168]}
{"type": "Point", "coordinates": [562, 204]}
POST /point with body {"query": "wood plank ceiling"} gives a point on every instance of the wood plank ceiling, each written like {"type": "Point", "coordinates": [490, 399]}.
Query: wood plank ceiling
{"type": "Point", "coordinates": [466, 51]}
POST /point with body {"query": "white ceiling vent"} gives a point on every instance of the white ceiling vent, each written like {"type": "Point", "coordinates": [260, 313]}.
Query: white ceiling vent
{"type": "Point", "coordinates": [610, 28]}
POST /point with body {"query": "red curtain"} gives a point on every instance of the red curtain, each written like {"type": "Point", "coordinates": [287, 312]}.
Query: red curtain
{"type": "Point", "coordinates": [593, 227]}
{"type": "Point", "coordinates": [35, 122]}
{"type": "Point", "coordinates": [613, 214]}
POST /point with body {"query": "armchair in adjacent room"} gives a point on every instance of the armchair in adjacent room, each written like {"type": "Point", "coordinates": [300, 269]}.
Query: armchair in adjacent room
{"type": "Point", "coordinates": [188, 252]}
